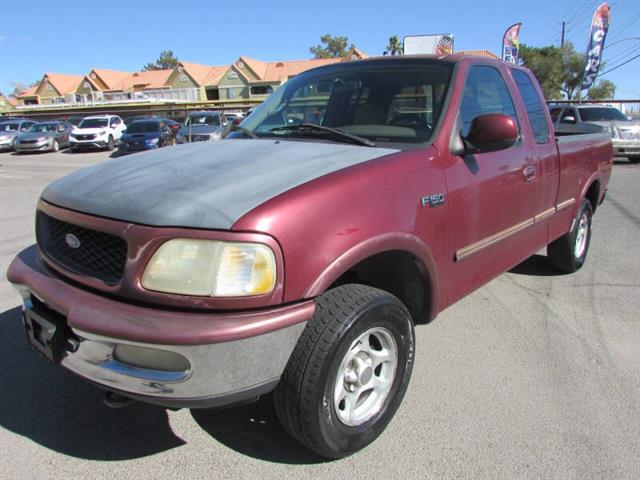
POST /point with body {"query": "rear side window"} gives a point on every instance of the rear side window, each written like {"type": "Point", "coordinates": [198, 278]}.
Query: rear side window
{"type": "Point", "coordinates": [555, 113]}
{"type": "Point", "coordinates": [485, 92]}
{"type": "Point", "coordinates": [535, 109]}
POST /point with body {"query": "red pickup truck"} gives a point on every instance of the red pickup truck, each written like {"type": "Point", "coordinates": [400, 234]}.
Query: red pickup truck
{"type": "Point", "coordinates": [358, 201]}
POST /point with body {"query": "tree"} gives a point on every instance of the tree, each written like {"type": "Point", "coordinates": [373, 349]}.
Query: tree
{"type": "Point", "coordinates": [395, 46]}
{"type": "Point", "coordinates": [559, 70]}
{"type": "Point", "coordinates": [602, 90]}
{"type": "Point", "coordinates": [334, 47]}
{"type": "Point", "coordinates": [19, 87]}
{"type": "Point", "coordinates": [166, 60]}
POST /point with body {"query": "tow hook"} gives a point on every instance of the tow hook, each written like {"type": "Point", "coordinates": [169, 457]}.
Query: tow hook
{"type": "Point", "coordinates": [116, 400]}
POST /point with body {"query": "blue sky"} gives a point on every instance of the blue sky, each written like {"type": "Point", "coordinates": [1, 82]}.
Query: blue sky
{"type": "Point", "coordinates": [72, 36]}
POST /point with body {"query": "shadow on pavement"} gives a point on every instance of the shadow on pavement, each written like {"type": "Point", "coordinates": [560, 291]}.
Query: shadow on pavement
{"type": "Point", "coordinates": [254, 430]}
{"type": "Point", "coordinates": [536, 265]}
{"type": "Point", "coordinates": [50, 406]}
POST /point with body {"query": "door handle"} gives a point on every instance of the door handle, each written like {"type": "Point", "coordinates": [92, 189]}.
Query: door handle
{"type": "Point", "coordinates": [530, 173]}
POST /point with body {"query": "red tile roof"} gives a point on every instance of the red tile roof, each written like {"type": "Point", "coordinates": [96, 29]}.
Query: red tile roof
{"type": "Point", "coordinates": [479, 53]}
{"type": "Point", "coordinates": [204, 74]}
{"type": "Point", "coordinates": [111, 78]}
{"type": "Point", "coordinates": [29, 92]}
{"type": "Point", "coordinates": [63, 83]}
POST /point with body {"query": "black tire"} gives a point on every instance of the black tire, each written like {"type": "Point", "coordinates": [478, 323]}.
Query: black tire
{"type": "Point", "coordinates": [304, 398]}
{"type": "Point", "coordinates": [55, 146]}
{"type": "Point", "coordinates": [634, 159]}
{"type": "Point", "coordinates": [563, 252]}
{"type": "Point", "coordinates": [110, 144]}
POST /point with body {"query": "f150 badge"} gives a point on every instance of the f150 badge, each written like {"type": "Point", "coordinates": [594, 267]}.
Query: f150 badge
{"type": "Point", "coordinates": [434, 200]}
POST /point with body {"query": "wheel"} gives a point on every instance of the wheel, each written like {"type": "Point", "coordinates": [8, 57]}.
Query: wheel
{"type": "Point", "coordinates": [634, 159]}
{"type": "Point", "coordinates": [55, 146]}
{"type": "Point", "coordinates": [110, 143]}
{"type": "Point", "coordinates": [348, 372]}
{"type": "Point", "coordinates": [569, 252]}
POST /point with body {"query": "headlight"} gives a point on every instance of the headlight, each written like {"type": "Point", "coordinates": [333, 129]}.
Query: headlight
{"type": "Point", "coordinates": [4, 137]}
{"type": "Point", "coordinates": [211, 268]}
{"type": "Point", "coordinates": [42, 139]}
{"type": "Point", "coordinates": [101, 133]}
{"type": "Point", "coordinates": [72, 135]}
{"type": "Point", "coordinates": [610, 130]}
{"type": "Point", "coordinates": [152, 141]}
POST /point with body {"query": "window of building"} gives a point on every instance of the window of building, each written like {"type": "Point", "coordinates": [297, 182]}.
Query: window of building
{"type": "Point", "coordinates": [485, 92]}
{"type": "Point", "coordinates": [535, 108]}
{"type": "Point", "coordinates": [262, 90]}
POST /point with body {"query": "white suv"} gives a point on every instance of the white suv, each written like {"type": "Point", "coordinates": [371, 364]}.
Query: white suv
{"type": "Point", "coordinates": [100, 131]}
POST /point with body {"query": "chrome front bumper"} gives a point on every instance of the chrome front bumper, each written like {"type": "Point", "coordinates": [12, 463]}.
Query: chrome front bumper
{"type": "Point", "coordinates": [38, 146]}
{"type": "Point", "coordinates": [175, 358]}
{"type": "Point", "coordinates": [624, 148]}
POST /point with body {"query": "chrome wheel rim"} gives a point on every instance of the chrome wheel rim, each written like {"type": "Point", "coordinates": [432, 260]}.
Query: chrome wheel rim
{"type": "Point", "coordinates": [365, 376]}
{"type": "Point", "coordinates": [581, 237]}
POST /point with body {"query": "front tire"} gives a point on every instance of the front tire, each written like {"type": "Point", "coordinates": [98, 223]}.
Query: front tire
{"type": "Point", "coordinates": [349, 371]}
{"type": "Point", "coordinates": [110, 144]}
{"type": "Point", "coordinates": [569, 252]}
{"type": "Point", "coordinates": [55, 146]}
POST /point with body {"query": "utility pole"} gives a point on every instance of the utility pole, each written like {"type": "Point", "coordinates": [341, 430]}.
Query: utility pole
{"type": "Point", "coordinates": [562, 38]}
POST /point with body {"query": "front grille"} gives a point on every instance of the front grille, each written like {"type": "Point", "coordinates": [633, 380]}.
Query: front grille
{"type": "Point", "coordinates": [28, 141]}
{"type": "Point", "coordinates": [97, 254]}
{"type": "Point", "coordinates": [86, 137]}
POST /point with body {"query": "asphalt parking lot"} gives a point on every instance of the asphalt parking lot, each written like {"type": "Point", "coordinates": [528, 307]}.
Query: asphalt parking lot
{"type": "Point", "coordinates": [536, 375]}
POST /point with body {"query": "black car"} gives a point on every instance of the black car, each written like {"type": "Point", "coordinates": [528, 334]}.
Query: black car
{"type": "Point", "coordinates": [145, 135]}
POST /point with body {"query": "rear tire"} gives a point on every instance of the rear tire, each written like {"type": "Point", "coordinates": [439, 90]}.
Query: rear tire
{"type": "Point", "coordinates": [569, 252]}
{"type": "Point", "coordinates": [348, 372]}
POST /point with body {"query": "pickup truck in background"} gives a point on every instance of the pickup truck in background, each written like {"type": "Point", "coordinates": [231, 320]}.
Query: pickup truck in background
{"type": "Point", "coordinates": [358, 201]}
{"type": "Point", "coordinates": [594, 118]}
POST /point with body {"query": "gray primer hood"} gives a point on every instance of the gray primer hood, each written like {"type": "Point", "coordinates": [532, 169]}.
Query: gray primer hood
{"type": "Point", "coordinates": [201, 185]}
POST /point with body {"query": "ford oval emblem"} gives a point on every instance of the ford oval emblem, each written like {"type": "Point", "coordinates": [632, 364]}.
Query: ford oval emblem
{"type": "Point", "coordinates": [71, 240]}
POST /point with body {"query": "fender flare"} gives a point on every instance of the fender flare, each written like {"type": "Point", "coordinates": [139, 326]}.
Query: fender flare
{"type": "Point", "coordinates": [383, 243]}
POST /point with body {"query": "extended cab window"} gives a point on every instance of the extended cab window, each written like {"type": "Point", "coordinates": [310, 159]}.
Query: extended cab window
{"type": "Point", "coordinates": [532, 103]}
{"type": "Point", "coordinates": [485, 92]}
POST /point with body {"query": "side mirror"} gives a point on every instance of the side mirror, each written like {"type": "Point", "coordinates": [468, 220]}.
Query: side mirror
{"type": "Point", "coordinates": [489, 133]}
{"type": "Point", "coordinates": [568, 119]}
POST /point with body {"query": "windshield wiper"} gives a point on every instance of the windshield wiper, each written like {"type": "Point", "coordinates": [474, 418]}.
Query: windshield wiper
{"type": "Point", "coordinates": [246, 131]}
{"type": "Point", "coordinates": [311, 127]}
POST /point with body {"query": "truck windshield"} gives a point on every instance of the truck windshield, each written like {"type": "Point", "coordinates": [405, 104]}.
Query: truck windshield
{"type": "Point", "coordinates": [395, 101]}
{"type": "Point", "coordinates": [601, 114]}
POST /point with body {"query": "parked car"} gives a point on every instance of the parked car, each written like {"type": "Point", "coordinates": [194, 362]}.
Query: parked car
{"type": "Point", "coordinates": [214, 273]}
{"type": "Point", "coordinates": [234, 117]}
{"type": "Point", "coordinates": [44, 136]}
{"type": "Point", "coordinates": [172, 124]}
{"type": "Point", "coordinates": [590, 118]}
{"type": "Point", "coordinates": [10, 129]}
{"type": "Point", "coordinates": [204, 126]}
{"type": "Point", "coordinates": [145, 135]}
{"type": "Point", "coordinates": [100, 131]}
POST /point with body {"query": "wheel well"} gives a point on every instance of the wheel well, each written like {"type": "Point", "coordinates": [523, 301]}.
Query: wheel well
{"type": "Point", "coordinates": [397, 272]}
{"type": "Point", "coordinates": [593, 194]}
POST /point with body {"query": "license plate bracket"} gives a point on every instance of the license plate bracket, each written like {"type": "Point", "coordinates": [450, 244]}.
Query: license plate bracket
{"type": "Point", "coordinates": [46, 335]}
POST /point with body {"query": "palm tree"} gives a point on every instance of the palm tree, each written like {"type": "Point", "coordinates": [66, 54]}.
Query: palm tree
{"type": "Point", "coordinates": [395, 46]}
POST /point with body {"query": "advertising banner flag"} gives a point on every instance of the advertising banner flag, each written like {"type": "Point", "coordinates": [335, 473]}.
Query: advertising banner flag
{"type": "Point", "coordinates": [599, 28]}
{"type": "Point", "coordinates": [511, 44]}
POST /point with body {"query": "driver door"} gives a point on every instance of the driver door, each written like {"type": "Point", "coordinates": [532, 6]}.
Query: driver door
{"type": "Point", "coordinates": [492, 196]}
